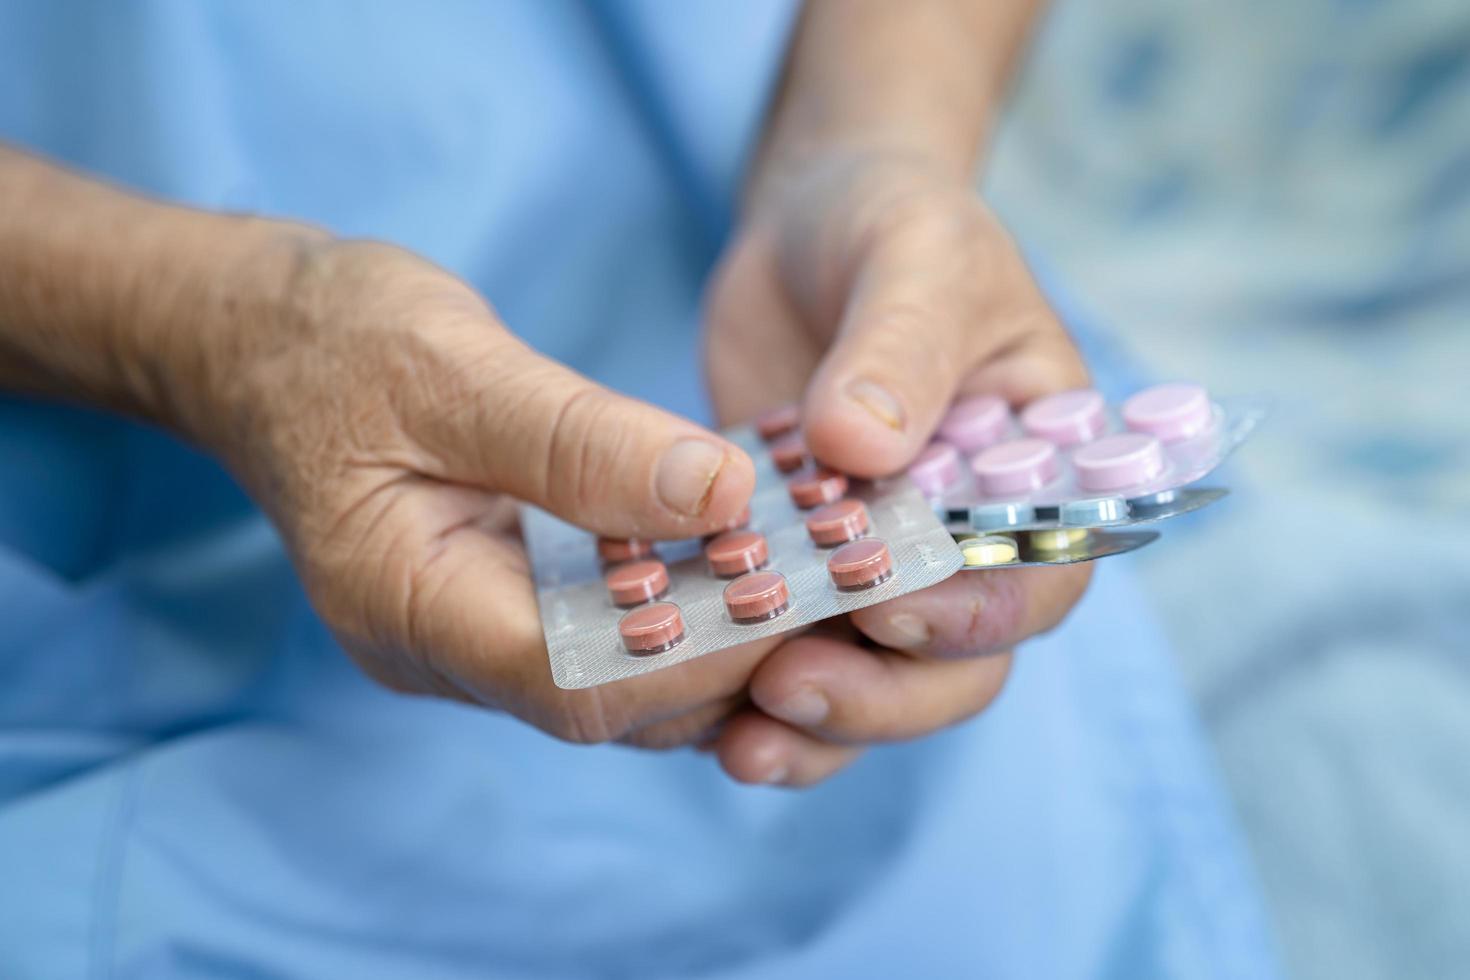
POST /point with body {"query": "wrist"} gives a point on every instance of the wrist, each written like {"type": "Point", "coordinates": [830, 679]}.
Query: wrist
{"type": "Point", "coordinates": [863, 171]}
{"type": "Point", "coordinates": [230, 285]}
{"type": "Point", "coordinates": [122, 303]}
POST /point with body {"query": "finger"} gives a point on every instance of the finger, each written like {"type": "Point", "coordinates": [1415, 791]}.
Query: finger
{"type": "Point", "coordinates": [754, 748]}
{"type": "Point", "coordinates": [939, 304]}
{"type": "Point", "coordinates": [446, 608]}
{"type": "Point", "coordinates": [530, 427]}
{"type": "Point", "coordinates": [698, 726]}
{"type": "Point", "coordinates": [841, 692]}
{"type": "Point", "coordinates": [757, 354]}
{"type": "Point", "coordinates": [976, 612]}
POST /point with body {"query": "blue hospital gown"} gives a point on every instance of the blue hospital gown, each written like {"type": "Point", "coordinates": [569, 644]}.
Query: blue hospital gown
{"type": "Point", "coordinates": [194, 782]}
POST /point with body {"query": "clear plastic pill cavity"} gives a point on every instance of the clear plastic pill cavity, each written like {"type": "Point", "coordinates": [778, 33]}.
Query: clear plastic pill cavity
{"type": "Point", "coordinates": [736, 552]}
{"type": "Point", "coordinates": [817, 486]}
{"type": "Point", "coordinates": [837, 523]}
{"type": "Point", "coordinates": [1072, 459]}
{"type": "Point", "coordinates": [614, 550]}
{"type": "Point", "coordinates": [989, 550]}
{"type": "Point", "coordinates": [815, 543]}
{"type": "Point", "coordinates": [860, 564]}
{"type": "Point", "coordinates": [757, 597]}
{"type": "Point", "coordinates": [651, 629]}
{"type": "Point", "coordinates": [635, 582]}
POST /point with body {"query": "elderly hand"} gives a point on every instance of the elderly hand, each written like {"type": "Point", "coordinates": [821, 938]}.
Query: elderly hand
{"type": "Point", "coordinates": [388, 422]}
{"type": "Point", "coordinates": [876, 290]}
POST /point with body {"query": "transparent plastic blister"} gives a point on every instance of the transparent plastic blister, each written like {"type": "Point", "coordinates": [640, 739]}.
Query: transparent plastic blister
{"type": "Point", "coordinates": [582, 622]}
{"type": "Point", "coordinates": [1100, 513]}
{"type": "Point", "coordinates": [1073, 461]}
{"type": "Point", "coordinates": [1053, 546]}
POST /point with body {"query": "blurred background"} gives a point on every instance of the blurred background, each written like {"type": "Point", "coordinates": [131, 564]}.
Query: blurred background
{"type": "Point", "coordinates": [1274, 197]}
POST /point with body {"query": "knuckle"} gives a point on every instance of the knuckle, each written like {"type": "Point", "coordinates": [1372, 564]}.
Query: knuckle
{"type": "Point", "coordinates": [993, 615]}
{"type": "Point", "coordinates": [585, 718]}
{"type": "Point", "coordinates": [581, 443]}
{"type": "Point", "coordinates": [905, 338]}
{"type": "Point", "coordinates": [950, 232]}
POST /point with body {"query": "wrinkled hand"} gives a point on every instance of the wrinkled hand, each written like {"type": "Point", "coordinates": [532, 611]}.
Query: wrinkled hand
{"type": "Point", "coordinates": [876, 291]}
{"type": "Point", "coordinates": [388, 423]}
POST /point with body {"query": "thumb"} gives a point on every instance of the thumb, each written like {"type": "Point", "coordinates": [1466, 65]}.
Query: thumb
{"type": "Point", "coordinates": [612, 464]}
{"type": "Point", "coordinates": [936, 309]}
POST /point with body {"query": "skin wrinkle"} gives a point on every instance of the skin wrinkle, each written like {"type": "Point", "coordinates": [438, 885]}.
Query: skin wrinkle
{"type": "Point", "coordinates": [364, 551]}
{"type": "Point", "coordinates": [477, 388]}
{"type": "Point", "coordinates": [690, 728]}
{"type": "Point", "coordinates": [552, 481]}
{"type": "Point", "coordinates": [418, 595]}
{"type": "Point", "coordinates": [977, 613]}
{"type": "Point", "coordinates": [899, 332]}
{"type": "Point", "coordinates": [317, 368]}
{"type": "Point", "coordinates": [584, 718]}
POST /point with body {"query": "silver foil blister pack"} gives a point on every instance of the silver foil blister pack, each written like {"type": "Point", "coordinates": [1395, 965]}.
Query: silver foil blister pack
{"type": "Point", "coordinates": [1072, 460]}
{"type": "Point", "coordinates": [1056, 546]}
{"type": "Point", "coordinates": [582, 623]}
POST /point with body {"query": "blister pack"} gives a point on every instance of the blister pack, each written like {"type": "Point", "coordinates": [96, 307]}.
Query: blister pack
{"type": "Point", "coordinates": [815, 545]}
{"type": "Point", "coordinates": [1055, 546]}
{"type": "Point", "coordinates": [1070, 460]}
{"type": "Point", "coordinates": [1108, 512]}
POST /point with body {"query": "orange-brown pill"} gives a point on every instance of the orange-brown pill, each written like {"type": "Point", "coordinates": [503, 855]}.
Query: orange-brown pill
{"type": "Point", "coordinates": [741, 520]}
{"type": "Point", "coordinates": [789, 453]}
{"type": "Point", "coordinates": [860, 564]}
{"type": "Point", "coordinates": [612, 550]}
{"type": "Point", "coordinates": [837, 523]}
{"type": "Point", "coordinates": [817, 487]}
{"type": "Point", "coordinates": [635, 582]}
{"type": "Point", "coordinates": [757, 597]}
{"type": "Point", "coordinates": [778, 421]}
{"type": "Point", "coordinates": [653, 628]}
{"type": "Point", "coordinates": [736, 552]}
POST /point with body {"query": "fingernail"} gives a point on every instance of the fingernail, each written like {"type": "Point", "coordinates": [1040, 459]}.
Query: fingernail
{"type": "Point", "coordinates": [807, 706]}
{"type": "Point", "coordinates": [878, 401]}
{"type": "Point", "coordinates": [686, 475]}
{"type": "Point", "coordinates": [776, 775]}
{"type": "Point", "coordinates": [908, 632]}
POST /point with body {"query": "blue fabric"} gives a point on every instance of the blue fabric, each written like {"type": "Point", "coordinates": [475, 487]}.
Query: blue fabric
{"type": "Point", "coordinates": [195, 782]}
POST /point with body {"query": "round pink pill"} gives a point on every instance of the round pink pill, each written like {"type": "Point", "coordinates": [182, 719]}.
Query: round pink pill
{"type": "Point", "coordinates": [1016, 467]}
{"type": "Point", "coordinates": [635, 582]}
{"type": "Point", "coordinates": [612, 550]}
{"type": "Point", "coordinates": [936, 469]}
{"type": "Point", "coordinates": [837, 523]}
{"type": "Point", "coordinates": [757, 597]}
{"type": "Point", "coordinates": [974, 423]}
{"type": "Point", "coordinates": [861, 564]}
{"type": "Point", "coordinates": [1114, 462]}
{"type": "Point", "coordinates": [1066, 418]}
{"type": "Point", "coordinates": [736, 552]}
{"type": "Point", "coordinates": [778, 421]}
{"type": "Point", "coordinates": [816, 488]}
{"type": "Point", "coordinates": [1169, 412]}
{"type": "Point", "coordinates": [653, 628]}
{"type": "Point", "coordinates": [789, 452]}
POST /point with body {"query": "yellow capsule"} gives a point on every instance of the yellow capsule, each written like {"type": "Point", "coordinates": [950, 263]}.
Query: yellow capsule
{"type": "Point", "coordinates": [988, 550]}
{"type": "Point", "coordinates": [1058, 540]}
